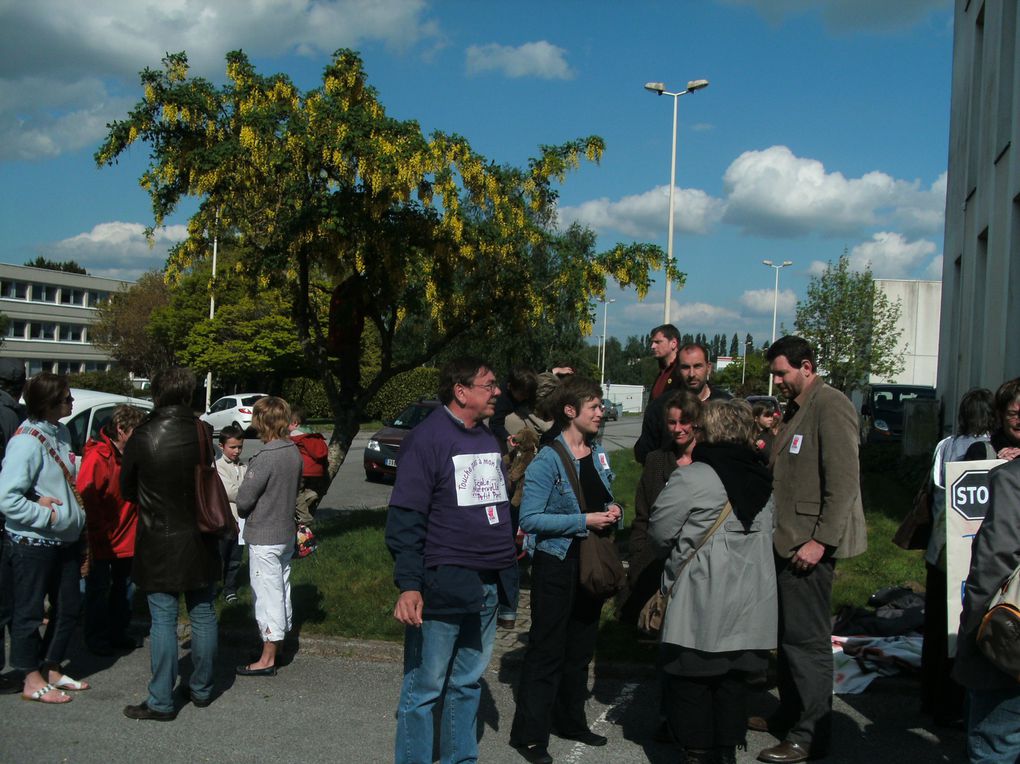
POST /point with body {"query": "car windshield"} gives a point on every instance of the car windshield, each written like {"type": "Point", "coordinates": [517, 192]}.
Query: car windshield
{"type": "Point", "coordinates": [250, 400]}
{"type": "Point", "coordinates": [892, 400]}
{"type": "Point", "coordinates": [411, 416]}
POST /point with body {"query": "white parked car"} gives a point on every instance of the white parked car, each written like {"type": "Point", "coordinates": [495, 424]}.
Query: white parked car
{"type": "Point", "coordinates": [231, 410]}
{"type": "Point", "coordinates": [91, 410]}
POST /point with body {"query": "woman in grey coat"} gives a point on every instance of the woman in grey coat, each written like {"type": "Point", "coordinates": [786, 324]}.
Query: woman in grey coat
{"type": "Point", "coordinates": [722, 618]}
{"type": "Point", "coordinates": [266, 501]}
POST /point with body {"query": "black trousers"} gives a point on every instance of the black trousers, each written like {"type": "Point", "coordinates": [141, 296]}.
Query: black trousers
{"type": "Point", "coordinates": [231, 553]}
{"type": "Point", "coordinates": [705, 712]}
{"type": "Point", "coordinates": [554, 678]}
{"type": "Point", "coordinates": [941, 696]}
{"type": "Point", "coordinates": [805, 654]}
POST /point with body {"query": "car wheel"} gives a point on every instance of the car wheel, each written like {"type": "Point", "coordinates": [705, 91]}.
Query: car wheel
{"type": "Point", "coordinates": [373, 477]}
{"type": "Point", "coordinates": [239, 426]}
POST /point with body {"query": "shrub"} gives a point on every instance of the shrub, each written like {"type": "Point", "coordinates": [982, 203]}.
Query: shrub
{"type": "Point", "coordinates": [402, 390]}
{"type": "Point", "coordinates": [115, 382]}
{"type": "Point", "coordinates": [308, 393]}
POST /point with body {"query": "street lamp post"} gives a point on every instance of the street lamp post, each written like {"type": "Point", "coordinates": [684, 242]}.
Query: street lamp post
{"type": "Point", "coordinates": [775, 301]}
{"type": "Point", "coordinates": [660, 89]}
{"type": "Point", "coordinates": [212, 306]}
{"type": "Point", "coordinates": [743, 371]}
{"type": "Point", "coordinates": [605, 337]}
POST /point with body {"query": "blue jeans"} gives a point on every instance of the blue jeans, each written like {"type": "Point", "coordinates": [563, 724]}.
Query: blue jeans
{"type": "Point", "coordinates": [451, 653]}
{"type": "Point", "coordinates": [993, 726]}
{"type": "Point", "coordinates": [163, 645]}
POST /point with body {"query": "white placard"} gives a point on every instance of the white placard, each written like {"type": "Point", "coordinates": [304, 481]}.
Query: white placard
{"type": "Point", "coordinates": [966, 504]}
{"type": "Point", "coordinates": [479, 479]}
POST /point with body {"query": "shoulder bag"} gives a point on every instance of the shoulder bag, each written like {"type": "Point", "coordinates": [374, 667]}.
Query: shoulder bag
{"type": "Point", "coordinates": [654, 612]}
{"type": "Point", "coordinates": [998, 636]}
{"type": "Point", "coordinates": [601, 572]}
{"type": "Point", "coordinates": [212, 508]}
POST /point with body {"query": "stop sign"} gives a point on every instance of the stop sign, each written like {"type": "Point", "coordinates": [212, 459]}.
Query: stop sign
{"type": "Point", "coordinates": [968, 494]}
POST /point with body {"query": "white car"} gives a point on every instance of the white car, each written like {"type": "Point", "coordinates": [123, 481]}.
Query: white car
{"type": "Point", "coordinates": [91, 410]}
{"type": "Point", "coordinates": [231, 410]}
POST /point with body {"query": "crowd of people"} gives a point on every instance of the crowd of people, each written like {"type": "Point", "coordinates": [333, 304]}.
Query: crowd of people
{"type": "Point", "coordinates": [124, 518]}
{"type": "Point", "coordinates": [740, 518]}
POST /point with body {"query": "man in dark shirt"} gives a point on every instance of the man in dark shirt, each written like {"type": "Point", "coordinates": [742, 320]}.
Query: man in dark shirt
{"type": "Point", "coordinates": [692, 370]}
{"type": "Point", "coordinates": [450, 534]}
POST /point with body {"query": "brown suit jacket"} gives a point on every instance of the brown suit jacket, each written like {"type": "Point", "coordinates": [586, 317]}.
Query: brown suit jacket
{"type": "Point", "coordinates": [817, 490]}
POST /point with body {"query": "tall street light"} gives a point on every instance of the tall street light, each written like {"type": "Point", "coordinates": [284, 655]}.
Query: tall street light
{"type": "Point", "coordinates": [605, 337]}
{"type": "Point", "coordinates": [660, 89]}
{"type": "Point", "coordinates": [775, 301]}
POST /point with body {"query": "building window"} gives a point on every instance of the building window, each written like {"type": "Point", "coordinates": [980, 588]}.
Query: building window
{"type": "Point", "coordinates": [72, 333]}
{"type": "Point", "coordinates": [97, 298]}
{"type": "Point", "coordinates": [44, 293]}
{"type": "Point", "coordinates": [69, 296]}
{"type": "Point", "coordinates": [36, 366]}
{"type": "Point", "coordinates": [97, 366]}
{"type": "Point", "coordinates": [42, 330]}
{"type": "Point", "coordinates": [13, 290]}
{"type": "Point", "coordinates": [69, 367]}
{"type": "Point", "coordinates": [16, 330]}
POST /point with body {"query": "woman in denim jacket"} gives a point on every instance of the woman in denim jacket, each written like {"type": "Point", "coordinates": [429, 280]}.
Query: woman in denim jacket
{"type": "Point", "coordinates": [564, 618]}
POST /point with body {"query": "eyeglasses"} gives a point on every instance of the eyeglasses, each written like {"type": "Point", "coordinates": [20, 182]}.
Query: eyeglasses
{"type": "Point", "coordinates": [489, 387]}
{"type": "Point", "coordinates": [1012, 414]}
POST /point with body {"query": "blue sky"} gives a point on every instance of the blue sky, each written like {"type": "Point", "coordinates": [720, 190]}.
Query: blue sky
{"type": "Point", "coordinates": [825, 125]}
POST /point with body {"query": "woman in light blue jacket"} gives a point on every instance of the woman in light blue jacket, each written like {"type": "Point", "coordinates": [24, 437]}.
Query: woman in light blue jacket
{"type": "Point", "coordinates": [564, 617]}
{"type": "Point", "coordinates": [45, 522]}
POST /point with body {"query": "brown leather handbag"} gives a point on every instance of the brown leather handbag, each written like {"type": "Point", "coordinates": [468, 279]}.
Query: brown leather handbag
{"type": "Point", "coordinates": [212, 508]}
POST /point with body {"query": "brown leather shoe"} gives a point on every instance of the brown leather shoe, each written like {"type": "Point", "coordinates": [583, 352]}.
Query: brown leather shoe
{"type": "Point", "coordinates": [758, 723]}
{"type": "Point", "coordinates": [786, 752]}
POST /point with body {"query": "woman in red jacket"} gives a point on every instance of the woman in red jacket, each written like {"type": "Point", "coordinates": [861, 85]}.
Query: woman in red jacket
{"type": "Point", "coordinates": [111, 525]}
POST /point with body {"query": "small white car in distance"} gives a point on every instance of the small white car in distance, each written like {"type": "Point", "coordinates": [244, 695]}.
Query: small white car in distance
{"type": "Point", "coordinates": [231, 410]}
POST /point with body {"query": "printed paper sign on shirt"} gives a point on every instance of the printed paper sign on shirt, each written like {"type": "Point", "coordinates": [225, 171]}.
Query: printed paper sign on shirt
{"type": "Point", "coordinates": [479, 479]}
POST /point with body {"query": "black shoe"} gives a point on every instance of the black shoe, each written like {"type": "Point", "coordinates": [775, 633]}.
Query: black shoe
{"type": "Point", "coordinates": [244, 670]}
{"type": "Point", "coordinates": [584, 736]}
{"type": "Point", "coordinates": [142, 711]}
{"type": "Point", "coordinates": [662, 734]}
{"type": "Point", "coordinates": [230, 597]}
{"type": "Point", "coordinates": [125, 643]}
{"type": "Point", "coordinates": [9, 685]}
{"type": "Point", "coordinates": [197, 702]}
{"type": "Point", "coordinates": [536, 754]}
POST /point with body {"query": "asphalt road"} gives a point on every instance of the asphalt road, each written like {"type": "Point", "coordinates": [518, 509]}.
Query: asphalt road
{"type": "Point", "coordinates": [335, 703]}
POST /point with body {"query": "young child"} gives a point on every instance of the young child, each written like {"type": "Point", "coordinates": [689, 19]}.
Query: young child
{"type": "Point", "coordinates": [231, 472]}
{"type": "Point", "coordinates": [315, 467]}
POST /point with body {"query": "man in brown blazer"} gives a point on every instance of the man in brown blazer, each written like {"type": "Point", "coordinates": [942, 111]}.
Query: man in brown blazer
{"type": "Point", "coordinates": [819, 519]}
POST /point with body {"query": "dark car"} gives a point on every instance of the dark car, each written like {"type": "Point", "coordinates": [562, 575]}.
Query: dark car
{"type": "Point", "coordinates": [769, 400]}
{"type": "Point", "coordinates": [383, 447]}
{"type": "Point", "coordinates": [612, 410]}
{"type": "Point", "coordinates": [882, 410]}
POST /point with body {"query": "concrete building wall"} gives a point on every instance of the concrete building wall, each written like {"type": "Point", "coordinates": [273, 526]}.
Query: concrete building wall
{"type": "Point", "coordinates": [980, 322]}
{"type": "Point", "coordinates": [50, 315]}
{"type": "Point", "coordinates": [630, 397]}
{"type": "Point", "coordinates": [920, 308]}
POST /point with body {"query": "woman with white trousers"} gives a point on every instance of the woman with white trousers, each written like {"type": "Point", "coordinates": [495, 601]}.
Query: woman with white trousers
{"type": "Point", "coordinates": [266, 501]}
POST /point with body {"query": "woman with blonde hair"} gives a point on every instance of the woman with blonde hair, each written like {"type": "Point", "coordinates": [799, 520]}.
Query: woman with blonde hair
{"type": "Point", "coordinates": [713, 523]}
{"type": "Point", "coordinates": [266, 501]}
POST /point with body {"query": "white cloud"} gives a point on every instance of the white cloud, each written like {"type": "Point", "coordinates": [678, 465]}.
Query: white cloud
{"type": "Point", "coordinates": [702, 127]}
{"type": "Point", "coordinates": [934, 269]}
{"type": "Point", "coordinates": [870, 15]}
{"type": "Point", "coordinates": [890, 255]}
{"type": "Point", "coordinates": [532, 59]}
{"type": "Point", "coordinates": [117, 249]}
{"type": "Point", "coordinates": [775, 193]}
{"type": "Point", "coordinates": [817, 268]}
{"type": "Point", "coordinates": [646, 215]}
{"type": "Point", "coordinates": [760, 301]}
{"type": "Point", "coordinates": [91, 53]}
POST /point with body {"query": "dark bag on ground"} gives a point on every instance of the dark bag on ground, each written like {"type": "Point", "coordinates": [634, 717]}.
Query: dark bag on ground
{"type": "Point", "coordinates": [601, 572]}
{"type": "Point", "coordinates": [212, 509]}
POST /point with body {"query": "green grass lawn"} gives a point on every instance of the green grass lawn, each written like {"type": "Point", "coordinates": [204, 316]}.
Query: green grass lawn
{"type": "Point", "coordinates": [345, 589]}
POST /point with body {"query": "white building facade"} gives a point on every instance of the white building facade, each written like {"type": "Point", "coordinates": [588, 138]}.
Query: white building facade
{"type": "Point", "coordinates": [920, 312]}
{"type": "Point", "coordinates": [50, 314]}
{"type": "Point", "coordinates": [980, 324]}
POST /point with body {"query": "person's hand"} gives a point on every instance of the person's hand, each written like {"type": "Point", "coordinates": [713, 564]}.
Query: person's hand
{"type": "Point", "coordinates": [511, 442]}
{"type": "Point", "coordinates": [600, 520]}
{"type": "Point", "coordinates": [1009, 453]}
{"type": "Point", "coordinates": [807, 556]}
{"type": "Point", "coordinates": [616, 510]}
{"type": "Point", "coordinates": [50, 503]}
{"type": "Point", "coordinates": [408, 608]}
{"type": "Point", "coordinates": [559, 371]}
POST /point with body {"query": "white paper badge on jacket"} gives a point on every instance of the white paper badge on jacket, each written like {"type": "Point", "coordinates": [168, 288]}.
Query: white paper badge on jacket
{"type": "Point", "coordinates": [603, 460]}
{"type": "Point", "coordinates": [795, 444]}
{"type": "Point", "coordinates": [479, 479]}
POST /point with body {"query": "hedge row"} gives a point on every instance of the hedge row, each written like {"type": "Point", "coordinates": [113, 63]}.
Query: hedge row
{"type": "Point", "coordinates": [391, 399]}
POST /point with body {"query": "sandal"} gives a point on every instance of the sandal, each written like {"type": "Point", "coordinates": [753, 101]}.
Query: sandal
{"type": "Point", "coordinates": [67, 683]}
{"type": "Point", "coordinates": [40, 695]}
